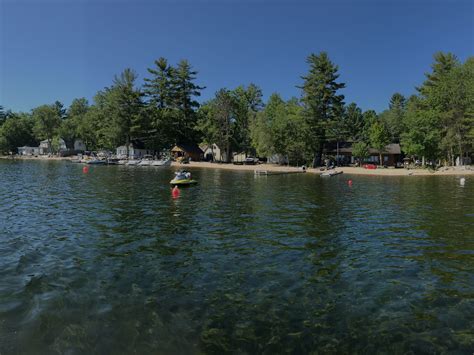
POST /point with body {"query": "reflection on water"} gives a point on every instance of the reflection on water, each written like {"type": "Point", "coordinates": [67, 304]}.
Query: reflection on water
{"type": "Point", "coordinates": [110, 262]}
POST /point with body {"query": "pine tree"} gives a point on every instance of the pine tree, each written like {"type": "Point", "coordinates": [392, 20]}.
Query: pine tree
{"type": "Point", "coordinates": [158, 88]}
{"type": "Point", "coordinates": [184, 93]}
{"type": "Point", "coordinates": [321, 101]}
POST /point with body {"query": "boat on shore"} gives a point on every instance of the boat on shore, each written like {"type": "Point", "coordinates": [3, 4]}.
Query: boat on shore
{"type": "Point", "coordinates": [161, 162]}
{"type": "Point", "coordinates": [96, 162]}
{"type": "Point", "coordinates": [146, 161]}
{"type": "Point", "coordinates": [331, 173]}
{"type": "Point", "coordinates": [133, 162]}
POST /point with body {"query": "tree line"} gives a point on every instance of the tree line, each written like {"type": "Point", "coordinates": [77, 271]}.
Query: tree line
{"type": "Point", "coordinates": [436, 124]}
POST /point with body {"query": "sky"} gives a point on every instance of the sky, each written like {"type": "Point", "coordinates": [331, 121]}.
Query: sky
{"type": "Point", "coordinates": [61, 50]}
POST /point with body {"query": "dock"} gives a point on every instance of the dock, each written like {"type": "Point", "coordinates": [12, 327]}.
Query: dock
{"type": "Point", "coordinates": [275, 172]}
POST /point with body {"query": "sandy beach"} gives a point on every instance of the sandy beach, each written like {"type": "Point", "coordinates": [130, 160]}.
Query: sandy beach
{"type": "Point", "coordinates": [461, 171]}
{"type": "Point", "coordinates": [347, 170]}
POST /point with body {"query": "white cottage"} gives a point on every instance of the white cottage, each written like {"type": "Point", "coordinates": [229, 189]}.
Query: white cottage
{"type": "Point", "coordinates": [28, 150]}
{"type": "Point", "coordinates": [136, 150]}
{"type": "Point", "coordinates": [212, 152]}
{"type": "Point", "coordinates": [44, 147]}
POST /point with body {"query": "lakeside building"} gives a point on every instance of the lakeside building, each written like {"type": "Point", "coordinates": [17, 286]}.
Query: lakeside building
{"type": "Point", "coordinates": [212, 152]}
{"type": "Point", "coordinates": [391, 155]}
{"type": "Point", "coordinates": [187, 151]}
{"type": "Point", "coordinates": [25, 150]}
{"type": "Point", "coordinates": [45, 147]}
{"type": "Point", "coordinates": [136, 149]}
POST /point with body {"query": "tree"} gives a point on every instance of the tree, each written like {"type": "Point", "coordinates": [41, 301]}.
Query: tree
{"type": "Point", "coordinates": [448, 91]}
{"type": "Point", "coordinates": [2, 115]}
{"type": "Point", "coordinates": [123, 103]}
{"type": "Point", "coordinates": [222, 119]}
{"type": "Point", "coordinates": [320, 98]}
{"type": "Point", "coordinates": [444, 63]}
{"type": "Point", "coordinates": [47, 122]}
{"type": "Point", "coordinates": [159, 88]}
{"type": "Point", "coordinates": [354, 122]}
{"type": "Point", "coordinates": [369, 117]}
{"type": "Point", "coordinates": [69, 131]}
{"type": "Point", "coordinates": [360, 151]}
{"type": "Point", "coordinates": [17, 131]}
{"type": "Point", "coordinates": [288, 130]}
{"type": "Point", "coordinates": [393, 117]}
{"type": "Point", "coordinates": [379, 138]}
{"type": "Point", "coordinates": [248, 102]}
{"type": "Point", "coordinates": [60, 109]}
{"type": "Point", "coordinates": [261, 134]}
{"type": "Point", "coordinates": [184, 93]}
{"type": "Point", "coordinates": [422, 135]}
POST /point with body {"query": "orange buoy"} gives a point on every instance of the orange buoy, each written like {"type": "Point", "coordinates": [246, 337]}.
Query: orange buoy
{"type": "Point", "coordinates": [85, 169]}
{"type": "Point", "coordinates": [349, 182]}
{"type": "Point", "coordinates": [175, 192]}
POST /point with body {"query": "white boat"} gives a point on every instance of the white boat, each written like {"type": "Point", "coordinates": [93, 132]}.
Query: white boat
{"type": "Point", "coordinates": [146, 161]}
{"type": "Point", "coordinates": [122, 162]}
{"type": "Point", "coordinates": [331, 173]}
{"type": "Point", "coordinates": [133, 162]}
{"type": "Point", "coordinates": [97, 162]}
{"type": "Point", "coordinates": [161, 162]}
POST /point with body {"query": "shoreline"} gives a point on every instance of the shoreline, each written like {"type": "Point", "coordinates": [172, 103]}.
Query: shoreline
{"type": "Point", "coordinates": [447, 171]}
{"type": "Point", "coordinates": [346, 169]}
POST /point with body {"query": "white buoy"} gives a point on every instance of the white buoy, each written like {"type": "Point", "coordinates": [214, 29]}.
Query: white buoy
{"type": "Point", "coordinates": [462, 181]}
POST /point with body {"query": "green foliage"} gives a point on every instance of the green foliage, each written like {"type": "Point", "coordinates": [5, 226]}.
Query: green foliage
{"type": "Point", "coordinates": [437, 124]}
{"type": "Point", "coordinates": [248, 102]}
{"type": "Point", "coordinates": [221, 118]}
{"type": "Point", "coordinates": [422, 136]}
{"type": "Point", "coordinates": [360, 150]}
{"type": "Point", "coordinates": [16, 131]}
{"type": "Point", "coordinates": [122, 103]}
{"type": "Point", "coordinates": [354, 122]}
{"type": "Point", "coordinates": [69, 129]}
{"type": "Point", "coordinates": [393, 117]}
{"type": "Point", "coordinates": [321, 101]}
{"type": "Point", "coordinates": [172, 107]}
{"type": "Point", "coordinates": [379, 138]}
{"type": "Point", "coordinates": [47, 121]}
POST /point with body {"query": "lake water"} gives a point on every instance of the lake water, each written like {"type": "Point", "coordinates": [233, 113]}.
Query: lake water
{"type": "Point", "coordinates": [109, 263]}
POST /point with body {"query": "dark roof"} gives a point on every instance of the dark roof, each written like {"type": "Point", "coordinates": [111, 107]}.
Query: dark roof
{"type": "Point", "coordinates": [190, 148]}
{"type": "Point", "coordinates": [136, 143]}
{"type": "Point", "coordinates": [346, 147]}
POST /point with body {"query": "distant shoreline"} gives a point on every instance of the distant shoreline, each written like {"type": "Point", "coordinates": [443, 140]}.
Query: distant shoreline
{"type": "Point", "coordinates": [347, 170]}
{"type": "Point", "coordinates": [447, 171]}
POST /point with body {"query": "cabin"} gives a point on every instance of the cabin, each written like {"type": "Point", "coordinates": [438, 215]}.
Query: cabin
{"type": "Point", "coordinates": [277, 159]}
{"type": "Point", "coordinates": [59, 146]}
{"type": "Point", "coordinates": [212, 152]}
{"type": "Point", "coordinates": [391, 155]}
{"type": "Point", "coordinates": [189, 151]}
{"type": "Point", "coordinates": [136, 150]}
{"type": "Point", "coordinates": [28, 150]}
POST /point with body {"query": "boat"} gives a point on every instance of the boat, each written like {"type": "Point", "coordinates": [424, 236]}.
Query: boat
{"type": "Point", "coordinates": [133, 162]}
{"type": "Point", "coordinates": [96, 162]}
{"type": "Point", "coordinates": [146, 161]}
{"type": "Point", "coordinates": [332, 173]}
{"type": "Point", "coordinates": [161, 162]}
{"type": "Point", "coordinates": [182, 178]}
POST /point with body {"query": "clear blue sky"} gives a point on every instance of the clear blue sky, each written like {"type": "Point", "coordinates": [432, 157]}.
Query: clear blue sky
{"type": "Point", "coordinates": [60, 50]}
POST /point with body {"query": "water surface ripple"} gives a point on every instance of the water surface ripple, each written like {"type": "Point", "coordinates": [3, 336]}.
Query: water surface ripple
{"type": "Point", "coordinates": [108, 263]}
